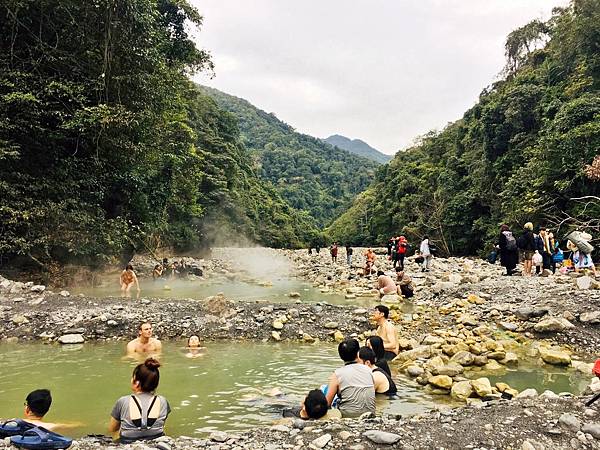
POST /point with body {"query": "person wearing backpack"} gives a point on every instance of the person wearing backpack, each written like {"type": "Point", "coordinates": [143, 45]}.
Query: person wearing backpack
{"type": "Point", "coordinates": [401, 250]}
{"type": "Point", "coordinates": [526, 244]}
{"type": "Point", "coordinates": [509, 253]}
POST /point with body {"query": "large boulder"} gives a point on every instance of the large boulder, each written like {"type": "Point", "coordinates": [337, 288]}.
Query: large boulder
{"type": "Point", "coordinates": [423, 351]}
{"type": "Point", "coordinates": [463, 358]}
{"type": "Point", "coordinates": [555, 357]}
{"type": "Point", "coordinates": [482, 386]}
{"type": "Point", "coordinates": [461, 390]}
{"type": "Point", "coordinates": [441, 381]}
{"type": "Point", "coordinates": [590, 317]}
{"type": "Point", "coordinates": [552, 324]}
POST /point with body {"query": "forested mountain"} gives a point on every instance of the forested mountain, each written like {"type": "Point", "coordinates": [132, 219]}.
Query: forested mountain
{"type": "Point", "coordinates": [310, 174]}
{"type": "Point", "coordinates": [105, 145]}
{"type": "Point", "coordinates": [527, 151]}
{"type": "Point", "coordinates": [357, 147]}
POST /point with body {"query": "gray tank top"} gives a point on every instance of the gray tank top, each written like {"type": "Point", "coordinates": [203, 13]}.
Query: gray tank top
{"type": "Point", "coordinates": [356, 390]}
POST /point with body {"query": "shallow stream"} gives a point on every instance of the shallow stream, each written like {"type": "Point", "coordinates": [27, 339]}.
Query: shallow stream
{"type": "Point", "coordinates": [233, 386]}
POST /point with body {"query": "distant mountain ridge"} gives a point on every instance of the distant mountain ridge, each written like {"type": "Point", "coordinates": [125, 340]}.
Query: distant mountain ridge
{"type": "Point", "coordinates": [314, 177]}
{"type": "Point", "coordinates": [358, 147]}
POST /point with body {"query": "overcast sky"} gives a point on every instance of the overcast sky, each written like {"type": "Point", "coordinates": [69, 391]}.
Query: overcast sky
{"type": "Point", "coordinates": [384, 71]}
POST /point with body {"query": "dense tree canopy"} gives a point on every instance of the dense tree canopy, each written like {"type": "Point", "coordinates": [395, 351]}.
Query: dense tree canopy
{"type": "Point", "coordinates": [520, 154]}
{"type": "Point", "coordinates": [313, 176]}
{"type": "Point", "coordinates": [105, 145]}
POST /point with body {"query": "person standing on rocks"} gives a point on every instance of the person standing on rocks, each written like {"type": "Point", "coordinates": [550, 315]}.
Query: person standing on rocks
{"type": "Point", "coordinates": [128, 278]}
{"type": "Point", "coordinates": [144, 343]}
{"type": "Point", "coordinates": [386, 331]}
{"type": "Point", "coordinates": [353, 383]}
{"type": "Point", "coordinates": [334, 251]}
{"type": "Point", "coordinates": [526, 244]}
{"type": "Point", "coordinates": [547, 247]}
{"type": "Point", "coordinates": [370, 256]}
{"type": "Point", "coordinates": [509, 253]}
{"type": "Point", "coordinates": [426, 254]}
{"type": "Point", "coordinates": [349, 252]}
{"type": "Point", "coordinates": [401, 249]}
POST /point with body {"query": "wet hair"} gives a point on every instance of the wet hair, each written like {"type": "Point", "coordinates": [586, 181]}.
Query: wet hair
{"type": "Point", "coordinates": [377, 346]}
{"type": "Point", "coordinates": [380, 272]}
{"type": "Point", "coordinates": [39, 401]}
{"type": "Point", "coordinates": [147, 374]}
{"type": "Point", "coordinates": [142, 324]}
{"type": "Point", "coordinates": [366, 354]}
{"type": "Point", "coordinates": [383, 309]}
{"type": "Point", "coordinates": [193, 335]}
{"type": "Point", "coordinates": [348, 349]}
{"type": "Point", "coordinates": [315, 404]}
{"type": "Point", "coordinates": [504, 227]}
{"type": "Point", "coordinates": [129, 267]}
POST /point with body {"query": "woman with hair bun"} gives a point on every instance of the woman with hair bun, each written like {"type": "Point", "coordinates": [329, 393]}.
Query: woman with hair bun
{"type": "Point", "coordinates": [142, 415]}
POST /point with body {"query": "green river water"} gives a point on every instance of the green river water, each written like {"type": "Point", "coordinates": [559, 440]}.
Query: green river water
{"type": "Point", "coordinates": [233, 386]}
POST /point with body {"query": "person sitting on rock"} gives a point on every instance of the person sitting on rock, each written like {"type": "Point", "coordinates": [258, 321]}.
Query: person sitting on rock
{"type": "Point", "coordinates": [141, 416]}
{"type": "Point", "coordinates": [405, 285]}
{"type": "Point", "coordinates": [386, 331]}
{"type": "Point", "coordinates": [144, 343]}
{"type": "Point", "coordinates": [385, 285]}
{"type": "Point", "coordinates": [353, 383]}
{"type": "Point", "coordinates": [381, 379]}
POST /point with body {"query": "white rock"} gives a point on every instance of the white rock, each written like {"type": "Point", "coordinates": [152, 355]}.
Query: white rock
{"type": "Point", "coordinates": [321, 441]}
{"type": "Point", "coordinates": [382, 437]}
{"type": "Point", "coordinates": [71, 339]}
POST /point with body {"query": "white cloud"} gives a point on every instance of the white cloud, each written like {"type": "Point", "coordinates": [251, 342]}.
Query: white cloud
{"type": "Point", "coordinates": [380, 70]}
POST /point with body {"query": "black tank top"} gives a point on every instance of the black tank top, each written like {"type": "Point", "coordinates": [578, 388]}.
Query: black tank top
{"type": "Point", "coordinates": [392, 389]}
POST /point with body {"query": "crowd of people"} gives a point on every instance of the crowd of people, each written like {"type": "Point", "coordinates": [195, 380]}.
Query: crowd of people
{"type": "Point", "coordinates": [539, 250]}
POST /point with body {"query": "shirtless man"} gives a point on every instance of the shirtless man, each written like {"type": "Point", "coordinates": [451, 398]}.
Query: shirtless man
{"type": "Point", "coordinates": [37, 405]}
{"type": "Point", "coordinates": [386, 331]}
{"type": "Point", "coordinates": [144, 343]}
{"type": "Point", "coordinates": [385, 284]}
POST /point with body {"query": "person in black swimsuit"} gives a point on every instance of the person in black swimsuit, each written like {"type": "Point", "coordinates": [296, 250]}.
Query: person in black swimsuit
{"type": "Point", "coordinates": [382, 381]}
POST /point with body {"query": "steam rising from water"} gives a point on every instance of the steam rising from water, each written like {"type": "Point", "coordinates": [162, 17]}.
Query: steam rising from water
{"type": "Point", "coordinates": [259, 262]}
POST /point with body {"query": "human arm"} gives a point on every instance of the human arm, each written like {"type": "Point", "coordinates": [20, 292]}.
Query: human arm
{"type": "Point", "coordinates": [114, 425]}
{"type": "Point", "coordinates": [332, 388]}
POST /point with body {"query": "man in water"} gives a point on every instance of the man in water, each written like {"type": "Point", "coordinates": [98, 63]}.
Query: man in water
{"type": "Point", "coordinates": [144, 343]}
{"type": "Point", "coordinates": [386, 331]}
{"type": "Point", "coordinates": [37, 405]}
{"type": "Point", "coordinates": [385, 284]}
{"type": "Point", "coordinates": [352, 382]}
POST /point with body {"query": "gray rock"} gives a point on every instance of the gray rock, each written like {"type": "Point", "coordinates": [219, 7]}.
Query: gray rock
{"type": "Point", "coordinates": [37, 288]}
{"type": "Point", "coordinates": [382, 437]}
{"type": "Point", "coordinates": [524, 313]}
{"type": "Point", "coordinates": [570, 421]}
{"type": "Point", "coordinates": [19, 320]}
{"type": "Point", "coordinates": [321, 441]}
{"type": "Point", "coordinates": [331, 325]}
{"type": "Point", "coordinates": [593, 429]}
{"type": "Point", "coordinates": [528, 393]}
{"type": "Point", "coordinates": [590, 317]}
{"type": "Point", "coordinates": [218, 436]}
{"type": "Point", "coordinates": [553, 324]}
{"type": "Point", "coordinates": [64, 293]}
{"type": "Point", "coordinates": [508, 326]}
{"type": "Point", "coordinates": [71, 339]}
{"type": "Point", "coordinates": [280, 428]}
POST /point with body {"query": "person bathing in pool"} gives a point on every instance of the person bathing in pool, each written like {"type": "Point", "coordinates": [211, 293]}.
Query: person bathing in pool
{"type": "Point", "coordinates": [144, 343]}
{"type": "Point", "coordinates": [194, 348]}
{"type": "Point", "coordinates": [37, 405]}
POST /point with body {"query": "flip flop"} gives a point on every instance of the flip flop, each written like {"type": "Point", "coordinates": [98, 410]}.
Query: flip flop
{"type": "Point", "coordinates": [39, 438]}
{"type": "Point", "coordinates": [14, 427]}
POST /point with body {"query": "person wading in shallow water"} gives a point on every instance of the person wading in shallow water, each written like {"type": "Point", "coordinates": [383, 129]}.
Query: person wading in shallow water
{"type": "Point", "coordinates": [144, 343]}
{"type": "Point", "coordinates": [386, 331]}
{"type": "Point", "coordinates": [128, 278]}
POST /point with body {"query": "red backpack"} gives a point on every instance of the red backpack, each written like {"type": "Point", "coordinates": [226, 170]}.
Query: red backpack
{"type": "Point", "coordinates": [402, 248]}
{"type": "Point", "coordinates": [596, 369]}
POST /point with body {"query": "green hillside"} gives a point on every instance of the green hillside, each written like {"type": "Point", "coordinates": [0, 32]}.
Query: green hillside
{"type": "Point", "coordinates": [524, 152]}
{"type": "Point", "coordinates": [105, 145]}
{"type": "Point", "coordinates": [311, 175]}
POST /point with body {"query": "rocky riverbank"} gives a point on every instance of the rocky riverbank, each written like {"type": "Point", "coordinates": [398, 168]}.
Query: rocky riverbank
{"type": "Point", "coordinates": [465, 322]}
